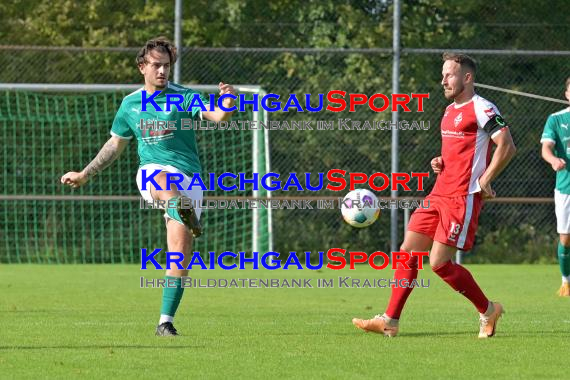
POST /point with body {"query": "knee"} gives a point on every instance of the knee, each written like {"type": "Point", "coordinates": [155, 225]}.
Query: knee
{"type": "Point", "coordinates": [167, 192]}
{"type": "Point", "coordinates": [437, 262]}
{"type": "Point", "coordinates": [177, 272]}
{"type": "Point", "coordinates": [565, 240]}
{"type": "Point", "coordinates": [413, 260]}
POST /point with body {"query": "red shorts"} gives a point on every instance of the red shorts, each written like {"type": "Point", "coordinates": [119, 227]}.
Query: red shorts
{"type": "Point", "coordinates": [450, 221]}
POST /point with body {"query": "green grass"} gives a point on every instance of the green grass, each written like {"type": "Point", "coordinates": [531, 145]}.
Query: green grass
{"type": "Point", "coordinates": [95, 321]}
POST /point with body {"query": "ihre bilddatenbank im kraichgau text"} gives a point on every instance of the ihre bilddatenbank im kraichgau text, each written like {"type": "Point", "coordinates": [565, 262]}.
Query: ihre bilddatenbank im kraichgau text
{"type": "Point", "coordinates": [339, 101]}
{"type": "Point", "coordinates": [337, 180]}
{"type": "Point", "coordinates": [338, 258]}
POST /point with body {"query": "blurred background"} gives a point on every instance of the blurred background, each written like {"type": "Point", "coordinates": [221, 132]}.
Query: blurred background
{"type": "Point", "coordinates": [283, 47]}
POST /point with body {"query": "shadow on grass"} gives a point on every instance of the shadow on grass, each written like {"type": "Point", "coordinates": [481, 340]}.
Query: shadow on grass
{"type": "Point", "coordinates": [499, 335]}
{"type": "Point", "coordinates": [101, 346]}
{"type": "Point", "coordinates": [435, 333]}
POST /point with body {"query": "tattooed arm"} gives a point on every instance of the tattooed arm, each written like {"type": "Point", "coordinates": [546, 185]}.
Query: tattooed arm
{"type": "Point", "coordinates": [108, 153]}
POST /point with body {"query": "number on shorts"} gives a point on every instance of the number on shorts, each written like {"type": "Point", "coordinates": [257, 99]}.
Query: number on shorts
{"type": "Point", "coordinates": [455, 228]}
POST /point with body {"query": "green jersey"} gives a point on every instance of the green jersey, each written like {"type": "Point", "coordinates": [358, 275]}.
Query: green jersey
{"type": "Point", "coordinates": [557, 131]}
{"type": "Point", "coordinates": [157, 143]}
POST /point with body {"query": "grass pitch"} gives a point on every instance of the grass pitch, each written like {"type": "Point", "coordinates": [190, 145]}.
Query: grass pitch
{"type": "Point", "coordinates": [95, 321]}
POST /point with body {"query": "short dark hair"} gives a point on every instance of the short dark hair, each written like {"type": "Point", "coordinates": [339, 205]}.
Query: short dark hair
{"type": "Point", "coordinates": [465, 61]}
{"type": "Point", "coordinates": [161, 44]}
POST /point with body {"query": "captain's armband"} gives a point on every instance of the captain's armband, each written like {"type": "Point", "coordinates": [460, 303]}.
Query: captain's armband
{"type": "Point", "coordinates": [495, 124]}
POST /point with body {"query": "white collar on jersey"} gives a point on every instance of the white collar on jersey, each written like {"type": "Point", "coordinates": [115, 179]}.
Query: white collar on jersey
{"type": "Point", "coordinates": [456, 106]}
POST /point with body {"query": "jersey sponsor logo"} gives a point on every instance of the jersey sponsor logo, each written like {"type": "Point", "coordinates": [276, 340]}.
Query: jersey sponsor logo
{"type": "Point", "coordinates": [136, 110]}
{"type": "Point", "coordinates": [151, 135]}
{"type": "Point", "coordinates": [565, 126]}
{"type": "Point", "coordinates": [452, 134]}
{"type": "Point", "coordinates": [458, 119]}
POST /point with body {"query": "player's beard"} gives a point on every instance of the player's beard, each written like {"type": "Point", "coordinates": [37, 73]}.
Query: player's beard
{"type": "Point", "coordinates": [161, 84]}
{"type": "Point", "coordinates": [453, 92]}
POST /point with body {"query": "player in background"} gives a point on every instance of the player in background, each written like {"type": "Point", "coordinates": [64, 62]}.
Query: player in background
{"type": "Point", "coordinates": [464, 176]}
{"type": "Point", "coordinates": [556, 151]}
{"type": "Point", "coordinates": [171, 151]}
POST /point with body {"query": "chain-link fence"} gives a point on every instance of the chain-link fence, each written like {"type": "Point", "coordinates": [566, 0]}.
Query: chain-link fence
{"type": "Point", "coordinates": [508, 231]}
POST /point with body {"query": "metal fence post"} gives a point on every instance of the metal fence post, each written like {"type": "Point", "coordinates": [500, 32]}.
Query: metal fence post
{"type": "Point", "coordinates": [178, 38]}
{"type": "Point", "coordinates": [395, 90]}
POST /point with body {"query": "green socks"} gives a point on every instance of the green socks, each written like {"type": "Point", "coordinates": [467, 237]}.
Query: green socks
{"type": "Point", "coordinates": [171, 296]}
{"type": "Point", "coordinates": [564, 259]}
{"type": "Point", "coordinates": [172, 209]}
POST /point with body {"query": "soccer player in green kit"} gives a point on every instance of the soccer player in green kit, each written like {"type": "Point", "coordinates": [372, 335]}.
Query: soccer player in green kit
{"type": "Point", "coordinates": [170, 150]}
{"type": "Point", "coordinates": [556, 151]}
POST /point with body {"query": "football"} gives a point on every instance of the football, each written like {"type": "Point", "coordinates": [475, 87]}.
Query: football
{"type": "Point", "coordinates": [360, 208]}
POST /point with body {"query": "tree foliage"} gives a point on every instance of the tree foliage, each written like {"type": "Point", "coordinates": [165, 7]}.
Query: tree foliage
{"type": "Point", "coordinates": [319, 25]}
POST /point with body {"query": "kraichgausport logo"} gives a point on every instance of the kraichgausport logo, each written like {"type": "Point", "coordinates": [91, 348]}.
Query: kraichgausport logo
{"type": "Point", "coordinates": [338, 258]}
{"type": "Point", "coordinates": [273, 181]}
{"type": "Point", "coordinates": [272, 102]}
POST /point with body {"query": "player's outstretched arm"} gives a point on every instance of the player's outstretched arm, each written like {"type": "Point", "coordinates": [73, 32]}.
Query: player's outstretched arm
{"type": "Point", "coordinates": [503, 154]}
{"type": "Point", "coordinates": [108, 153]}
{"type": "Point", "coordinates": [548, 156]}
{"type": "Point", "coordinates": [218, 114]}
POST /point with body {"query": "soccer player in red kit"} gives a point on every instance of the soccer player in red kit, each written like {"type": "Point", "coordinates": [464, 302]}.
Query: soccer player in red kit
{"type": "Point", "coordinates": [464, 171]}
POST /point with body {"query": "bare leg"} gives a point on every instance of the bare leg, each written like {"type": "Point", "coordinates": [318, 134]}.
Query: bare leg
{"type": "Point", "coordinates": [565, 240]}
{"type": "Point", "coordinates": [178, 237]}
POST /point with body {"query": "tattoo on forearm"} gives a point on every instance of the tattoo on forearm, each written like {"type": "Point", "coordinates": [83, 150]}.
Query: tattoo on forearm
{"type": "Point", "coordinates": [108, 153]}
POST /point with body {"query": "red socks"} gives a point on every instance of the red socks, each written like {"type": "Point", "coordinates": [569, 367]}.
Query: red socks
{"type": "Point", "coordinates": [462, 281]}
{"type": "Point", "coordinates": [400, 295]}
{"type": "Point", "coordinates": [455, 275]}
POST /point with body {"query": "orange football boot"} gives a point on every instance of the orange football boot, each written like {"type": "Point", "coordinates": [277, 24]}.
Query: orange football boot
{"type": "Point", "coordinates": [488, 324]}
{"type": "Point", "coordinates": [379, 325]}
{"type": "Point", "coordinates": [564, 290]}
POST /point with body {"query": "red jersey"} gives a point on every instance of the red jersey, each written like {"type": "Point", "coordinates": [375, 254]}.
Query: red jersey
{"type": "Point", "coordinates": [466, 133]}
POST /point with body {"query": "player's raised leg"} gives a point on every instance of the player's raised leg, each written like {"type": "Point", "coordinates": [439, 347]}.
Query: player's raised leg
{"type": "Point", "coordinates": [179, 207]}
{"type": "Point", "coordinates": [564, 262]}
{"type": "Point", "coordinates": [179, 239]}
{"type": "Point", "coordinates": [461, 280]}
{"type": "Point", "coordinates": [388, 323]}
